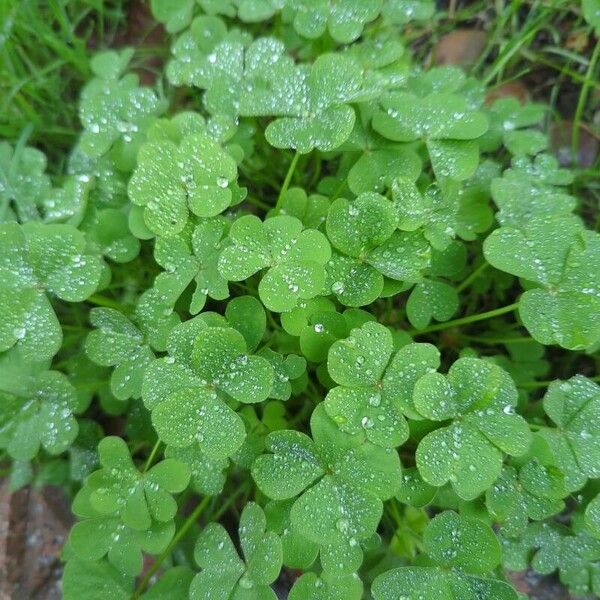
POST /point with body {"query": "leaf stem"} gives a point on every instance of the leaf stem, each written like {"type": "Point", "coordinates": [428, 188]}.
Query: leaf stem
{"type": "Point", "coordinates": [490, 314]}
{"type": "Point", "coordinates": [286, 181]}
{"type": "Point", "coordinates": [534, 385]}
{"type": "Point", "coordinates": [178, 536]}
{"type": "Point", "coordinates": [151, 456]}
{"type": "Point", "coordinates": [472, 277]}
{"type": "Point", "coordinates": [99, 300]}
{"type": "Point", "coordinates": [589, 79]}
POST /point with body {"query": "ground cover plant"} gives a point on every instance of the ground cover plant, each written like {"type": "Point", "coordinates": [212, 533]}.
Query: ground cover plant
{"type": "Point", "coordinates": [303, 312]}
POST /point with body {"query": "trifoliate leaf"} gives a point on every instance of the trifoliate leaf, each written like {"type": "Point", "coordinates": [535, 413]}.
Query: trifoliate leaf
{"type": "Point", "coordinates": [100, 536]}
{"type": "Point", "coordinates": [175, 14]}
{"type": "Point", "coordinates": [171, 180]}
{"type": "Point", "coordinates": [562, 258]}
{"type": "Point", "coordinates": [23, 183]}
{"type": "Point", "coordinates": [574, 405]}
{"type": "Point", "coordinates": [435, 211]}
{"type": "Point", "coordinates": [534, 492]}
{"type": "Point", "coordinates": [139, 499]}
{"type": "Point", "coordinates": [223, 574]}
{"type": "Point", "coordinates": [459, 545]}
{"type": "Point", "coordinates": [295, 257]}
{"type": "Point", "coordinates": [313, 107]}
{"type": "Point", "coordinates": [33, 259]}
{"type": "Point", "coordinates": [192, 258]}
{"type": "Point", "coordinates": [367, 402]}
{"type": "Point", "coordinates": [479, 398]}
{"type": "Point", "coordinates": [311, 210]}
{"type": "Point", "coordinates": [37, 410]}
{"type": "Point", "coordinates": [115, 111]}
{"type": "Point", "coordinates": [207, 473]}
{"type": "Point", "coordinates": [220, 358]}
{"type": "Point", "coordinates": [118, 342]}
{"type": "Point", "coordinates": [380, 161]}
{"type": "Point", "coordinates": [431, 299]}
{"type": "Point", "coordinates": [443, 121]}
{"type": "Point", "coordinates": [341, 481]}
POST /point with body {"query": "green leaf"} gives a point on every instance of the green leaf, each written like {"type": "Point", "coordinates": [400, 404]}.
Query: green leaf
{"type": "Point", "coordinates": [313, 108]}
{"type": "Point", "coordinates": [139, 499]}
{"type": "Point", "coordinates": [327, 586]}
{"type": "Point", "coordinates": [561, 257]}
{"type": "Point", "coordinates": [573, 406]}
{"type": "Point", "coordinates": [38, 410]}
{"type": "Point", "coordinates": [431, 299]}
{"type": "Point", "coordinates": [404, 11]}
{"type": "Point", "coordinates": [479, 397]}
{"type": "Point", "coordinates": [344, 505]}
{"type": "Point", "coordinates": [344, 20]}
{"type": "Point", "coordinates": [173, 179]}
{"type": "Point", "coordinates": [223, 574]}
{"type": "Point", "coordinates": [452, 540]}
{"type": "Point", "coordinates": [176, 15]}
{"type": "Point", "coordinates": [196, 416]}
{"type": "Point", "coordinates": [117, 342]}
{"type": "Point", "coordinates": [295, 257]}
{"type": "Point", "coordinates": [113, 111]}
{"type": "Point", "coordinates": [220, 358]}
{"type": "Point", "coordinates": [96, 580]}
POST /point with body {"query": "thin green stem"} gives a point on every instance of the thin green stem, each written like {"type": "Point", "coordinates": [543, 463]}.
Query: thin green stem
{"type": "Point", "coordinates": [474, 275]}
{"type": "Point", "coordinates": [589, 79]}
{"type": "Point", "coordinates": [534, 385]}
{"type": "Point", "coordinates": [287, 181]}
{"type": "Point", "coordinates": [152, 456]}
{"type": "Point", "coordinates": [508, 340]}
{"type": "Point", "coordinates": [490, 314]}
{"type": "Point", "coordinates": [178, 536]}
{"type": "Point", "coordinates": [99, 300]}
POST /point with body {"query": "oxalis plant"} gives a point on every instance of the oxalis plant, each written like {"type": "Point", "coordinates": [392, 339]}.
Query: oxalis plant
{"type": "Point", "coordinates": [303, 317]}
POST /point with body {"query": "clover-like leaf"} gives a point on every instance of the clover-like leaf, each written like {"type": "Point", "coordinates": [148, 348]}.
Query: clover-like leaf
{"type": "Point", "coordinates": [138, 499]}
{"type": "Point", "coordinates": [435, 211]}
{"type": "Point", "coordinates": [295, 258]}
{"type": "Point", "coordinates": [344, 19]}
{"type": "Point", "coordinates": [363, 233]}
{"type": "Point", "coordinates": [175, 14]}
{"type": "Point", "coordinates": [574, 405]}
{"type": "Point", "coordinates": [36, 258]}
{"type": "Point", "coordinates": [220, 358]}
{"type": "Point", "coordinates": [115, 110]}
{"type": "Point", "coordinates": [509, 123]}
{"type": "Point", "coordinates": [535, 492]}
{"type": "Point", "coordinates": [223, 574]}
{"type": "Point", "coordinates": [37, 409]}
{"type": "Point", "coordinates": [341, 481]}
{"type": "Point", "coordinates": [173, 179]}
{"type": "Point", "coordinates": [208, 475]}
{"type": "Point", "coordinates": [431, 299]}
{"type": "Point", "coordinates": [118, 342]}
{"type": "Point", "coordinates": [313, 107]}
{"type": "Point", "coordinates": [463, 548]}
{"type": "Point", "coordinates": [23, 183]}
{"type": "Point", "coordinates": [380, 161]}
{"type": "Point", "coordinates": [99, 536]}
{"type": "Point", "coordinates": [444, 121]}
{"type": "Point", "coordinates": [405, 11]}
{"type": "Point", "coordinates": [188, 258]}
{"type": "Point", "coordinates": [368, 400]}
{"type": "Point", "coordinates": [479, 398]}
{"type": "Point", "coordinates": [562, 258]}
